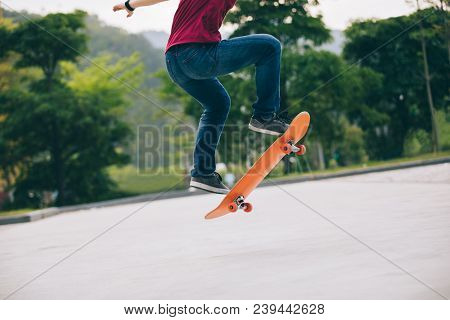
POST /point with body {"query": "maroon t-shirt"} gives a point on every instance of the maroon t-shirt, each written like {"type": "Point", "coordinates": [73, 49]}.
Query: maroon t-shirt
{"type": "Point", "coordinates": [198, 21]}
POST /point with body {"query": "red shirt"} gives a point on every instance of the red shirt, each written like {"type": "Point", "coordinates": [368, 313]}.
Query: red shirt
{"type": "Point", "coordinates": [198, 21]}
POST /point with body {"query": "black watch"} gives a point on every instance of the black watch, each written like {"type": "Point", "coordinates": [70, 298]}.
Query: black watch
{"type": "Point", "coordinates": [129, 7]}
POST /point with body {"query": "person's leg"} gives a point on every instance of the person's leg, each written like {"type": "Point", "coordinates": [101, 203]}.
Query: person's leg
{"type": "Point", "coordinates": [263, 51]}
{"type": "Point", "coordinates": [216, 105]}
{"type": "Point", "coordinates": [215, 101]}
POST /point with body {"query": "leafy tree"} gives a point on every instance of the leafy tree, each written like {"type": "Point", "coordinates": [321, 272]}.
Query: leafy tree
{"type": "Point", "coordinates": [443, 119]}
{"type": "Point", "coordinates": [7, 75]}
{"type": "Point", "coordinates": [45, 42]}
{"type": "Point", "coordinates": [352, 148]}
{"type": "Point", "coordinates": [392, 47]}
{"type": "Point", "coordinates": [62, 136]}
{"type": "Point", "coordinates": [353, 94]}
{"type": "Point", "coordinates": [117, 43]}
{"type": "Point", "coordinates": [287, 20]}
{"type": "Point", "coordinates": [422, 36]}
{"type": "Point", "coordinates": [110, 95]}
{"type": "Point", "coordinates": [63, 144]}
{"type": "Point", "coordinates": [9, 78]}
{"type": "Point", "coordinates": [4, 40]}
{"type": "Point", "coordinates": [442, 29]}
{"type": "Point", "coordinates": [417, 142]}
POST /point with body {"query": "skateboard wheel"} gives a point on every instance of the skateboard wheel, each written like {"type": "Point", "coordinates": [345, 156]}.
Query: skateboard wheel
{"type": "Point", "coordinates": [248, 207]}
{"type": "Point", "coordinates": [286, 148]}
{"type": "Point", "coordinates": [233, 207]}
{"type": "Point", "coordinates": [302, 150]}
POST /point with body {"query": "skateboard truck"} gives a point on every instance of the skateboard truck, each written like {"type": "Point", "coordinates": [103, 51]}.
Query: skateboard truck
{"type": "Point", "coordinates": [239, 203]}
{"type": "Point", "coordinates": [295, 149]}
{"type": "Point", "coordinates": [290, 147]}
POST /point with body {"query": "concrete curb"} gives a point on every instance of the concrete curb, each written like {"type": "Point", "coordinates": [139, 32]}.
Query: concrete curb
{"type": "Point", "coordinates": [352, 172]}
{"type": "Point", "coordinates": [49, 212]}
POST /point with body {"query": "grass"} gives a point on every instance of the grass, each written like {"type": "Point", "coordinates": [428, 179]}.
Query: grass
{"type": "Point", "coordinates": [130, 182]}
{"type": "Point", "coordinates": [14, 212]}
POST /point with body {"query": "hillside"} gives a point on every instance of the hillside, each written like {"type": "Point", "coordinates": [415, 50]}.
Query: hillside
{"type": "Point", "coordinates": [107, 39]}
{"type": "Point", "coordinates": [104, 38]}
{"type": "Point", "coordinates": [157, 39]}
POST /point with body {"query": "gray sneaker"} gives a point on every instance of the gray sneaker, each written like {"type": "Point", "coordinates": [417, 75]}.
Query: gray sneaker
{"type": "Point", "coordinates": [273, 126]}
{"type": "Point", "coordinates": [212, 183]}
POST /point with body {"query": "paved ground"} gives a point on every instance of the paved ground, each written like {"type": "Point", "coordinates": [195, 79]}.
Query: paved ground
{"type": "Point", "coordinates": [284, 250]}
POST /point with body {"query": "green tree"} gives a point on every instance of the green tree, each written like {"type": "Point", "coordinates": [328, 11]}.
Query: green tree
{"type": "Point", "coordinates": [9, 78]}
{"type": "Point", "coordinates": [108, 94]}
{"type": "Point", "coordinates": [442, 29]}
{"type": "Point", "coordinates": [45, 42]}
{"type": "Point", "coordinates": [422, 37]}
{"type": "Point", "coordinates": [392, 47]}
{"type": "Point", "coordinates": [353, 94]}
{"type": "Point", "coordinates": [4, 40]}
{"type": "Point", "coordinates": [287, 20]}
{"type": "Point", "coordinates": [61, 135]}
{"type": "Point", "coordinates": [351, 149]}
{"type": "Point", "coordinates": [61, 143]}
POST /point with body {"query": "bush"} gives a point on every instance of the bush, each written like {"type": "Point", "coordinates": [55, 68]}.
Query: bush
{"type": "Point", "coordinates": [443, 120]}
{"type": "Point", "coordinates": [332, 164]}
{"type": "Point", "coordinates": [352, 148]}
{"type": "Point", "coordinates": [417, 142]}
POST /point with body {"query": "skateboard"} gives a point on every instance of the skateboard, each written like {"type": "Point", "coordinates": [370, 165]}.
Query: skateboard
{"type": "Point", "coordinates": [285, 144]}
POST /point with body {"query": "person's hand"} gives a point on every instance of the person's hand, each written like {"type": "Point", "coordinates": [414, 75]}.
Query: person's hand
{"type": "Point", "coordinates": [121, 6]}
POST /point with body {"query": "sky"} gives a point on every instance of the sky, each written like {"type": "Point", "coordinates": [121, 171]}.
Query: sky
{"type": "Point", "coordinates": [336, 13]}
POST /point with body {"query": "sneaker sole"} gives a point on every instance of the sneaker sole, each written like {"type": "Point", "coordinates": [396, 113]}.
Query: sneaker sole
{"type": "Point", "coordinates": [265, 131]}
{"type": "Point", "coordinates": [208, 188]}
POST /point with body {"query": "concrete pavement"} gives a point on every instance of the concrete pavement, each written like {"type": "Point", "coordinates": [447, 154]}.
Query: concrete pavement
{"type": "Point", "coordinates": [303, 241]}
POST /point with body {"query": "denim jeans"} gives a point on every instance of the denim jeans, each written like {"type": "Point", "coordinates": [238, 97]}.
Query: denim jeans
{"type": "Point", "coordinates": [195, 68]}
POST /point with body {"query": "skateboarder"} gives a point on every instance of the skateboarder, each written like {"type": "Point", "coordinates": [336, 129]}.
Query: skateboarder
{"type": "Point", "coordinates": [196, 56]}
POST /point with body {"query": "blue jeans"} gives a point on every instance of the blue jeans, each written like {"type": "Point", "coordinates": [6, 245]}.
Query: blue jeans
{"type": "Point", "coordinates": [195, 68]}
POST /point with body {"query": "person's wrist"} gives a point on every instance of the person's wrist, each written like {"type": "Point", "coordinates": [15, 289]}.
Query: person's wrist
{"type": "Point", "coordinates": [128, 6]}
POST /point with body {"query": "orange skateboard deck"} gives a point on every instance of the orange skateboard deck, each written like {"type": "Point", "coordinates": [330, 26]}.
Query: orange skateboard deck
{"type": "Point", "coordinates": [285, 144]}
